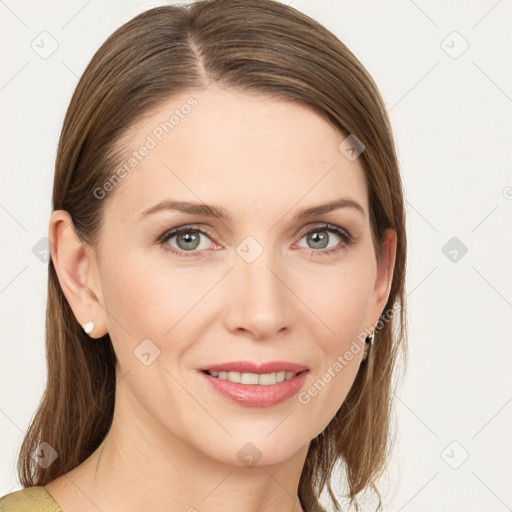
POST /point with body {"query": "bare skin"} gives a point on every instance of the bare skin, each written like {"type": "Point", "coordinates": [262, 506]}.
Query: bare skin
{"type": "Point", "coordinates": [175, 443]}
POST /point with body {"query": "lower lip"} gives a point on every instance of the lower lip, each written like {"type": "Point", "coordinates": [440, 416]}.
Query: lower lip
{"type": "Point", "coordinates": [255, 395]}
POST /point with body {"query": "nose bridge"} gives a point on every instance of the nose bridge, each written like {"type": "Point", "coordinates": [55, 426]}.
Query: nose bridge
{"type": "Point", "coordinates": [260, 299]}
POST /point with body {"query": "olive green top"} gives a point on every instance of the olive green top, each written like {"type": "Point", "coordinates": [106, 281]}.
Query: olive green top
{"type": "Point", "coordinates": [38, 499]}
{"type": "Point", "coordinates": [30, 499]}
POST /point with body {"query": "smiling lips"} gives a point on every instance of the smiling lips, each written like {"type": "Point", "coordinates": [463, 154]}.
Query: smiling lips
{"type": "Point", "coordinates": [256, 385]}
{"type": "Point", "coordinates": [246, 372]}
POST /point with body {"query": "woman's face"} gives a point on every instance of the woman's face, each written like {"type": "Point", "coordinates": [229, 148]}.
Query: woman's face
{"type": "Point", "coordinates": [265, 283]}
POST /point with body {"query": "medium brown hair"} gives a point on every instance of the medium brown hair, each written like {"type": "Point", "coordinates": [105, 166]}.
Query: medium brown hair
{"type": "Point", "coordinates": [259, 46]}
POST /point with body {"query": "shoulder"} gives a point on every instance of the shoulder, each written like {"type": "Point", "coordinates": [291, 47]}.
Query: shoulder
{"type": "Point", "coordinates": [30, 499]}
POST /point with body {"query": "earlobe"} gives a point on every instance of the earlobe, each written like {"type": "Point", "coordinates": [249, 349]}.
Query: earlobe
{"type": "Point", "coordinates": [76, 272]}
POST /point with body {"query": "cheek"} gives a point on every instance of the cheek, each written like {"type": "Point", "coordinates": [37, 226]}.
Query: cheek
{"type": "Point", "coordinates": [153, 301]}
{"type": "Point", "coordinates": [340, 299]}
{"type": "Point", "coordinates": [337, 298]}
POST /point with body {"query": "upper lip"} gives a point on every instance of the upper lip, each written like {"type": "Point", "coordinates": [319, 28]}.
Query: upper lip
{"type": "Point", "coordinates": [260, 368]}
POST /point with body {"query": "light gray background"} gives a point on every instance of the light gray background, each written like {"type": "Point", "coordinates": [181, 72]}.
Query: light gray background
{"type": "Point", "coordinates": [452, 121]}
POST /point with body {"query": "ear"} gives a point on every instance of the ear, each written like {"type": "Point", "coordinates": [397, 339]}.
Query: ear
{"type": "Point", "coordinates": [384, 279]}
{"type": "Point", "coordinates": [77, 271]}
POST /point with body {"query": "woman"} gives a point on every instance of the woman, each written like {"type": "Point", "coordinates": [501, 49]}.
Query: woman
{"type": "Point", "coordinates": [228, 253]}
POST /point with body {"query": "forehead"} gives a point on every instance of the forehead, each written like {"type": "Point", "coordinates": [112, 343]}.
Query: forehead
{"type": "Point", "coordinates": [236, 149]}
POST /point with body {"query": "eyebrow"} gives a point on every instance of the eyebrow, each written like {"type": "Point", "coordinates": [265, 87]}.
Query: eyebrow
{"type": "Point", "coordinates": [221, 213]}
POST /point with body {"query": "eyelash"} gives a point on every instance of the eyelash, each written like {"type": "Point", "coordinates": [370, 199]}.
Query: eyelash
{"type": "Point", "coordinates": [347, 238]}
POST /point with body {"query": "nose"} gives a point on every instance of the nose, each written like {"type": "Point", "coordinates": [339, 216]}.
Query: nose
{"type": "Point", "coordinates": [258, 299]}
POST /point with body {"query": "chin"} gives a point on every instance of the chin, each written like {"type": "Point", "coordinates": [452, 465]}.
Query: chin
{"type": "Point", "coordinates": [259, 449]}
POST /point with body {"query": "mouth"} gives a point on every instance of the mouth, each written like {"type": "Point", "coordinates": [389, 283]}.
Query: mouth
{"type": "Point", "coordinates": [252, 385]}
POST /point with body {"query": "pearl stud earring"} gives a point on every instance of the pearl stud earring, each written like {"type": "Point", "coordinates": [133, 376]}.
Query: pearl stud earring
{"type": "Point", "coordinates": [88, 327]}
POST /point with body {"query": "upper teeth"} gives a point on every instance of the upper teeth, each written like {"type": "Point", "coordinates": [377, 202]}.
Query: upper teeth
{"type": "Point", "coordinates": [263, 379]}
